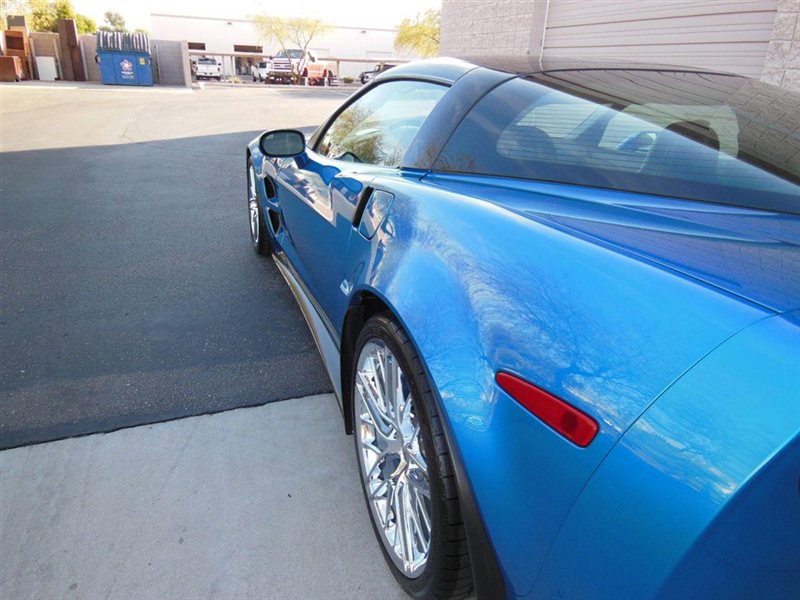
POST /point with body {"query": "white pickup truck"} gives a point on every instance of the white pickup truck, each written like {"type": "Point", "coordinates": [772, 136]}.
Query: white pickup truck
{"type": "Point", "coordinates": [260, 71]}
{"type": "Point", "coordinates": [292, 64]}
{"type": "Point", "coordinates": [208, 68]}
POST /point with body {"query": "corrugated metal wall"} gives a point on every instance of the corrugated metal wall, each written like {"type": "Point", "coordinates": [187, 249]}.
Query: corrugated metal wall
{"type": "Point", "coordinates": [730, 35]}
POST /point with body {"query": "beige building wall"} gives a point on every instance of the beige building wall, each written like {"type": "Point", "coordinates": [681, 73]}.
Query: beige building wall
{"type": "Point", "coordinates": [757, 38]}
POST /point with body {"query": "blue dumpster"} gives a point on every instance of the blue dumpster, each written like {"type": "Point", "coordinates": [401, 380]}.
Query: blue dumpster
{"type": "Point", "coordinates": [124, 58]}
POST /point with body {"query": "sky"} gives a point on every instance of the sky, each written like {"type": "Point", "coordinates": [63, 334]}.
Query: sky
{"type": "Point", "coordinates": [358, 13]}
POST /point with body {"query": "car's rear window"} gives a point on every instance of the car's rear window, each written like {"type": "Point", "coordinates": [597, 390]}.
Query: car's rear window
{"type": "Point", "coordinates": [698, 136]}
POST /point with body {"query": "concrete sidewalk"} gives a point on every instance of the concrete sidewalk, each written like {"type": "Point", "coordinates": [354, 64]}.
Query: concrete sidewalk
{"type": "Point", "coordinates": [253, 503]}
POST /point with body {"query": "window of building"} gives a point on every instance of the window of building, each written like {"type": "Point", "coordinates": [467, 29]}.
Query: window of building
{"type": "Point", "coordinates": [245, 48]}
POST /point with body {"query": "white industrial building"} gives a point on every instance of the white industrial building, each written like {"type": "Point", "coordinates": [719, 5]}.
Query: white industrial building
{"type": "Point", "coordinates": [227, 36]}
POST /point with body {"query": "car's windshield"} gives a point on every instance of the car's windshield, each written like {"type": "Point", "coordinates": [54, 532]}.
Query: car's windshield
{"type": "Point", "coordinates": [699, 136]}
{"type": "Point", "coordinates": [292, 53]}
{"type": "Point", "coordinates": [207, 61]}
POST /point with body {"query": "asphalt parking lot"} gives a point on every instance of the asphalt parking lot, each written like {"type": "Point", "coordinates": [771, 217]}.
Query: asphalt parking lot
{"type": "Point", "coordinates": [131, 302]}
{"type": "Point", "coordinates": [129, 292]}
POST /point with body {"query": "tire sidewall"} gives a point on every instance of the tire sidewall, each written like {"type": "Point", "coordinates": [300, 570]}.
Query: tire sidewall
{"type": "Point", "coordinates": [382, 328]}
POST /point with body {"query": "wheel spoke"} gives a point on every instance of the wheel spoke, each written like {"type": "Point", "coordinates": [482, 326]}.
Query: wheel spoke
{"type": "Point", "coordinates": [380, 420]}
{"type": "Point", "coordinates": [384, 483]}
{"type": "Point", "coordinates": [391, 503]}
{"type": "Point", "coordinates": [372, 448]}
{"type": "Point", "coordinates": [421, 486]}
{"type": "Point", "coordinates": [376, 464]}
{"type": "Point", "coordinates": [405, 519]}
{"type": "Point", "coordinates": [423, 511]}
{"type": "Point", "coordinates": [418, 464]}
{"type": "Point", "coordinates": [399, 401]}
{"type": "Point", "coordinates": [421, 537]}
{"type": "Point", "coordinates": [387, 377]}
{"type": "Point", "coordinates": [376, 384]}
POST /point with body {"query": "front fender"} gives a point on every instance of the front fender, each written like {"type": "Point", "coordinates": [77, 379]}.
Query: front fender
{"type": "Point", "coordinates": [489, 580]}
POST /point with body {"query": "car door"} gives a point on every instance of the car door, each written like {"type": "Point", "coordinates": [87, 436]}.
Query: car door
{"type": "Point", "coordinates": [320, 191]}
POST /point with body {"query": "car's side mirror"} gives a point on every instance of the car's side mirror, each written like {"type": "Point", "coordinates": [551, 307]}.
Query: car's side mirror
{"type": "Point", "coordinates": [282, 143]}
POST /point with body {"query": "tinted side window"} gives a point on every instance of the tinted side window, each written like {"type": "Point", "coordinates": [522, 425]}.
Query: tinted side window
{"type": "Point", "coordinates": [670, 148]}
{"type": "Point", "coordinates": [378, 127]}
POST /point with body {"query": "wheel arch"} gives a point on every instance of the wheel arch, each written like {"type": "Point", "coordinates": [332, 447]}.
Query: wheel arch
{"type": "Point", "coordinates": [488, 578]}
{"type": "Point", "coordinates": [363, 305]}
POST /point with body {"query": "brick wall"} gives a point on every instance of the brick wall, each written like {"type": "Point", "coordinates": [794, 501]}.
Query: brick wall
{"type": "Point", "coordinates": [487, 27]}
{"type": "Point", "coordinates": [782, 63]}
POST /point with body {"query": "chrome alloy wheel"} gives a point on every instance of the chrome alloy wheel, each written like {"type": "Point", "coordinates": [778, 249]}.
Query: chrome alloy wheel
{"type": "Point", "coordinates": [391, 458]}
{"type": "Point", "coordinates": [252, 201]}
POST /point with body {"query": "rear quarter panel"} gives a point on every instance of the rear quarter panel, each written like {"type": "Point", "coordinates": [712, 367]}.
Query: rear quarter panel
{"type": "Point", "coordinates": [700, 498]}
{"type": "Point", "coordinates": [478, 289]}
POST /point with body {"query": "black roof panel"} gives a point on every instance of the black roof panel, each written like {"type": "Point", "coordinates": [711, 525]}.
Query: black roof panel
{"type": "Point", "coordinates": [448, 70]}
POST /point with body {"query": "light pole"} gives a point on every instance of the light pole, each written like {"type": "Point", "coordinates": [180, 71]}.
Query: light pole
{"type": "Point", "coordinates": [229, 26]}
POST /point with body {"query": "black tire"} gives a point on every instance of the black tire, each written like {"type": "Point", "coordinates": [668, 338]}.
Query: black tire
{"type": "Point", "coordinates": [447, 572]}
{"type": "Point", "coordinates": [259, 233]}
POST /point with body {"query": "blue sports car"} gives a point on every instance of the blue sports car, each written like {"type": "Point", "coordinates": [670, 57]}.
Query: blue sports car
{"type": "Point", "coordinates": [560, 309]}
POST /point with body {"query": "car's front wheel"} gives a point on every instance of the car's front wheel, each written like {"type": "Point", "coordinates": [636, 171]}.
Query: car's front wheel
{"type": "Point", "coordinates": [405, 467]}
{"type": "Point", "coordinates": [259, 236]}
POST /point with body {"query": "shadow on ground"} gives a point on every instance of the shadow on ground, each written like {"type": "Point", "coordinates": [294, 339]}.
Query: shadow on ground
{"type": "Point", "coordinates": [130, 293]}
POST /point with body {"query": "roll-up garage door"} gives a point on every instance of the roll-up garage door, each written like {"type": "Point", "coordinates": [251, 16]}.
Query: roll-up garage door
{"type": "Point", "coordinates": [727, 35]}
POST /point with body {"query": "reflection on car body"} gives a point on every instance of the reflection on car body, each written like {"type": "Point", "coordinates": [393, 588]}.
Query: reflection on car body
{"type": "Point", "coordinates": [367, 76]}
{"type": "Point", "coordinates": [560, 308]}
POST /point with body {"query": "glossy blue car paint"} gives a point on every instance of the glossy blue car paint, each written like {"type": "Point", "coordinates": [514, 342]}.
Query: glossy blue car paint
{"type": "Point", "coordinates": [668, 321]}
{"type": "Point", "coordinates": [716, 516]}
{"type": "Point", "coordinates": [498, 308]}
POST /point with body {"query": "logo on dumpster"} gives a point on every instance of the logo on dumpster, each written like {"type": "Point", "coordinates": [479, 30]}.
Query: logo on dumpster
{"type": "Point", "coordinates": [127, 68]}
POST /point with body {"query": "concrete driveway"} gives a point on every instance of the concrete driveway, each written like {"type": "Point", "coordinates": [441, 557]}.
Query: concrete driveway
{"type": "Point", "coordinates": [252, 503]}
{"type": "Point", "coordinates": [130, 296]}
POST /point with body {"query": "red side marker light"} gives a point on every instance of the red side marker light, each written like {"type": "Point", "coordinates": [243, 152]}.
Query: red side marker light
{"type": "Point", "coordinates": [578, 427]}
